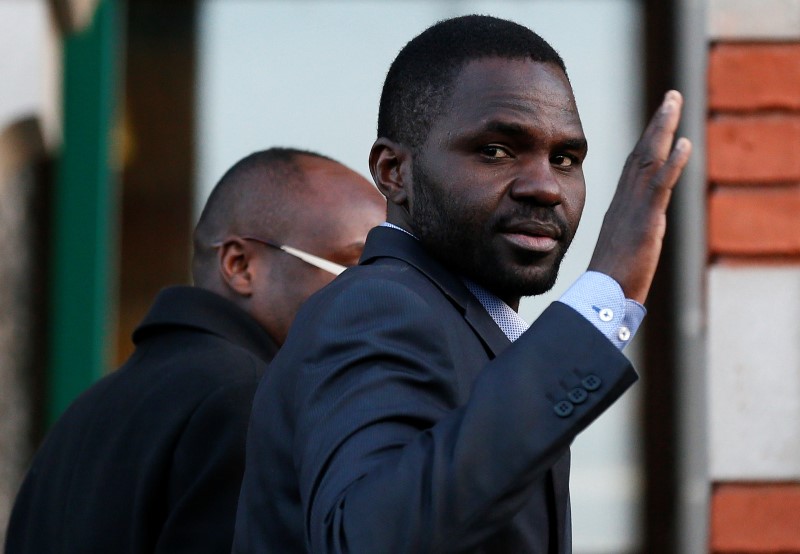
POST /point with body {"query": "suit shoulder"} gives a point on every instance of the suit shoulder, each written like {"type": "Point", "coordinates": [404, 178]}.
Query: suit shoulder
{"type": "Point", "coordinates": [367, 314]}
{"type": "Point", "coordinates": [379, 287]}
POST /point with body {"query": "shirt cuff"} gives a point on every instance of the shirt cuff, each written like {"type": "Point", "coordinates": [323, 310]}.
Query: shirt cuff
{"type": "Point", "coordinates": [600, 299]}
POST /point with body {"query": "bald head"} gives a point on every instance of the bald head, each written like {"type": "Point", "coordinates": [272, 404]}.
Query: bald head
{"type": "Point", "coordinates": [259, 193]}
{"type": "Point", "coordinates": [285, 196]}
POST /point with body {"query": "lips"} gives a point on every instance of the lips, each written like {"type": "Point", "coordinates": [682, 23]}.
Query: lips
{"type": "Point", "coordinates": [533, 236]}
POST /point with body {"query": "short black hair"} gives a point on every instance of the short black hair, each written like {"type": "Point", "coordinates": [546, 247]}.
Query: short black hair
{"type": "Point", "coordinates": [420, 80]}
{"type": "Point", "coordinates": [254, 196]}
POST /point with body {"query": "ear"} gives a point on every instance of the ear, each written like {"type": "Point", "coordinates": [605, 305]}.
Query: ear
{"type": "Point", "coordinates": [235, 266]}
{"type": "Point", "coordinates": [390, 164]}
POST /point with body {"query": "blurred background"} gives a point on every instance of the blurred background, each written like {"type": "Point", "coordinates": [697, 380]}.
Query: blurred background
{"type": "Point", "coordinates": [117, 118]}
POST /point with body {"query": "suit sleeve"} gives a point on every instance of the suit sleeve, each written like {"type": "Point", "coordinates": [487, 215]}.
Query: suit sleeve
{"type": "Point", "coordinates": [206, 475]}
{"type": "Point", "coordinates": [387, 460]}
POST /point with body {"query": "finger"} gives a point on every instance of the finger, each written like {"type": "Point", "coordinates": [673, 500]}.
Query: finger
{"type": "Point", "coordinates": [657, 138]}
{"type": "Point", "coordinates": [671, 171]}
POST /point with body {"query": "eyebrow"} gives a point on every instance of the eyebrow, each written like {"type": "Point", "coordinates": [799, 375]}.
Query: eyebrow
{"type": "Point", "coordinates": [505, 128]}
{"type": "Point", "coordinates": [517, 130]}
{"type": "Point", "coordinates": [581, 144]}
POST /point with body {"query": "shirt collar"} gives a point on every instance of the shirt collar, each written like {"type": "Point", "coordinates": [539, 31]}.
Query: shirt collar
{"type": "Point", "coordinates": [506, 318]}
{"type": "Point", "coordinates": [393, 226]}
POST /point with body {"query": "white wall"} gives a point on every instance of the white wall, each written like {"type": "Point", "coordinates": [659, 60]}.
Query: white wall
{"type": "Point", "coordinates": [24, 73]}
{"type": "Point", "coordinates": [754, 373]}
{"type": "Point", "coordinates": [308, 74]}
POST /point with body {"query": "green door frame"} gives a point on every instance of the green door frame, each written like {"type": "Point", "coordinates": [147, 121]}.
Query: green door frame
{"type": "Point", "coordinates": [85, 212]}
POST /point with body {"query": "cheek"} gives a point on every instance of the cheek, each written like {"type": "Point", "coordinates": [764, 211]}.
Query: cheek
{"type": "Point", "coordinates": [463, 202]}
{"type": "Point", "coordinates": [293, 282]}
{"type": "Point", "coordinates": [476, 205]}
{"type": "Point", "coordinates": [575, 199]}
{"type": "Point", "coordinates": [314, 280]}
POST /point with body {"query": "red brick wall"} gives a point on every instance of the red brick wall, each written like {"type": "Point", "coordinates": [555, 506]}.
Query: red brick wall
{"type": "Point", "coordinates": [753, 145]}
{"type": "Point", "coordinates": [753, 518]}
{"type": "Point", "coordinates": [753, 141]}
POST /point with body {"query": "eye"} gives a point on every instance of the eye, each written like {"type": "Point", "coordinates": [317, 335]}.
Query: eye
{"type": "Point", "coordinates": [495, 152]}
{"type": "Point", "coordinates": [562, 160]}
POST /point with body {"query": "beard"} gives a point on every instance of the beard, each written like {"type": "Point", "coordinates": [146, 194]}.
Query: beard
{"type": "Point", "coordinates": [454, 232]}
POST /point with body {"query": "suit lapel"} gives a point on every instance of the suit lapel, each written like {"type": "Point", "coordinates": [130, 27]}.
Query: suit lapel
{"type": "Point", "coordinates": [385, 242]}
{"type": "Point", "coordinates": [485, 327]}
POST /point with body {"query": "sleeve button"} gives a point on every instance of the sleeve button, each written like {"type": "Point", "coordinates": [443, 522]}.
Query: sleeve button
{"type": "Point", "coordinates": [624, 333]}
{"type": "Point", "coordinates": [606, 314]}
{"type": "Point", "coordinates": [591, 382]}
{"type": "Point", "coordinates": [578, 395]}
{"type": "Point", "coordinates": [563, 408]}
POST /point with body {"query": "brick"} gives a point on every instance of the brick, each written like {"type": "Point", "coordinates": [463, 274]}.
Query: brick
{"type": "Point", "coordinates": [755, 518]}
{"type": "Point", "coordinates": [754, 148]}
{"type": "Point", "coordinates": [754, 76]}
{"type": "Point", "coordinates": [754, 221]}
{"type": "Point", "coordinates": [754, 19]}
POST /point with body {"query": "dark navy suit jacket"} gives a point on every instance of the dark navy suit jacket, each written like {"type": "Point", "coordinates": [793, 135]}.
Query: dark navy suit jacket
{"type": "Point", "coordinates": [397, 417]}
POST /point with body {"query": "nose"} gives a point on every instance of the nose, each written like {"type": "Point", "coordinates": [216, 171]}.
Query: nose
{"type": "Point", "coordinates": [537, 183]}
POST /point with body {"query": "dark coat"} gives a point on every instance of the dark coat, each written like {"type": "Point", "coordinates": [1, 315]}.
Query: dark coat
{"type": "Point", "coordinates": [150, 458]}
{"type": "Point", "coordinates": [399, 418]}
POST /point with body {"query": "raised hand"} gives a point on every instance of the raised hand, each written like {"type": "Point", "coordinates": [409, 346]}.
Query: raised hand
{"type": "Point", "coordinates": [632, 234]}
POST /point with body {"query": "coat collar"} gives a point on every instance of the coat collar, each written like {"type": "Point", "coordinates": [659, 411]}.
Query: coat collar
{"type": "Point", "coordinates": [203, 310]}
{"type": "Point", "coordinates": [385, 242]}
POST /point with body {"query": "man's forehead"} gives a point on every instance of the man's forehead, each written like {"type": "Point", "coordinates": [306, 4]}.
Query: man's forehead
{"type": "Point", "coordinates": [499, 91]}
{"type": "Point", "coordinates": [509, 79]}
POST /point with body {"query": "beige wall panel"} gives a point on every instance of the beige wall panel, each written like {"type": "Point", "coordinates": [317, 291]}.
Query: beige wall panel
{"type": "Point", "coordinates": [754, 373]}
{"type": "Point", "coordinates": [754, 19]}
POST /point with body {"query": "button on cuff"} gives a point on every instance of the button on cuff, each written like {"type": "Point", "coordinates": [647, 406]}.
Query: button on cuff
{"type": "Point", "coordinates": [591, 382]}
{"type": "Point", "coordinates": [564, 408]}
{"type": "Point", "coordinates": [578, 395]}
